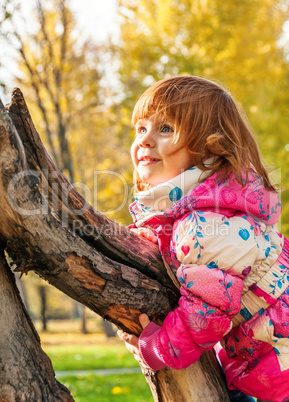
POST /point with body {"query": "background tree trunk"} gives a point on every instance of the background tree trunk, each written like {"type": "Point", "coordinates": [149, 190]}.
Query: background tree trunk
{"type": "Point", "coordinates": [83, 319]}
{"type": "Point", "coordinates": [108, 329]}
{"type": "Point", "coordinates": [113, 271]}
{"type": "Point", "coordinates": [43, 304]}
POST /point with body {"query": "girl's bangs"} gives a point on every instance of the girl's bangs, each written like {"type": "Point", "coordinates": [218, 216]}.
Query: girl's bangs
{"type": "Point", "coordinates": [151, 103]}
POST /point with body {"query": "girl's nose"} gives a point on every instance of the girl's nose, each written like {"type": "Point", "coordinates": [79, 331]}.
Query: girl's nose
{"type": "Point", "coordinates": [146, 140]}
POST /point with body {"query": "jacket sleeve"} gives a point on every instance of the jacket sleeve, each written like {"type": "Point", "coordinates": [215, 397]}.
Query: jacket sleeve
{"type": "Point", "coordinates": [210, 295]}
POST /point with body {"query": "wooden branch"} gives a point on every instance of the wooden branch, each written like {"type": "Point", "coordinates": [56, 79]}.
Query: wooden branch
{"type": "Point", "coordinates": [99, 270]}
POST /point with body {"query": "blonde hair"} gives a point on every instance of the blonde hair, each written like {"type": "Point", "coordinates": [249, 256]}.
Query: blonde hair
{"type": "Point", "coordinates": [208, 122]}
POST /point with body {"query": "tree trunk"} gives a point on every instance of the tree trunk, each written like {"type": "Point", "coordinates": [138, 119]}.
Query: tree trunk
{"type": "Point", "coordinates": [200, 382]}
{"type": "Point", "coordinates": [26, 371]}
{"type": "Point", "coordinates": [108, 268]}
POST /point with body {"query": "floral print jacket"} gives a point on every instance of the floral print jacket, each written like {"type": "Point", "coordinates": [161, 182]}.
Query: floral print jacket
{"type": "Point", "coordinates": [220, 240]}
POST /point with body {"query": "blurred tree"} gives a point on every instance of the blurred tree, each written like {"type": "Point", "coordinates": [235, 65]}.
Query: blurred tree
{"type": "Point", "coordinates": [65, 83]}
{"type": "Point", "coordinates": [7, 8]}
{"type": "Point", "coordinates": [5, 14]}
{"type": "Point", "coordinates": [59, 75]}
{"type": "Point", "coordinates": [43, 301]}
{"type": "Point", "coordinates": [234, 43]}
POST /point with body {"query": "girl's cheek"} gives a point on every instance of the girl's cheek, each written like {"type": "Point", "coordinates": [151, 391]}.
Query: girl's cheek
{"type": "Point", "coordinates": [133, 152]}
{"type": "Point", "coordinates": [132, 149]}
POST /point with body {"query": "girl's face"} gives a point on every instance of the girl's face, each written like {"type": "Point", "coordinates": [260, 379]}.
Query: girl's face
{"type": "Point", "coordinates": [153, 153]}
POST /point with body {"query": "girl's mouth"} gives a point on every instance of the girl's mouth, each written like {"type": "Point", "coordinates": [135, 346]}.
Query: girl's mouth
{"type": "Point", "coordinates": [146, 162]}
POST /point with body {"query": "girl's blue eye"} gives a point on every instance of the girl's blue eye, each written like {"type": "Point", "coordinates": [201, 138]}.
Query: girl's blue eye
{"type": "Point", "coordinates": [166, 129]}
{"type": "Point", "coordinates": [142, 130]}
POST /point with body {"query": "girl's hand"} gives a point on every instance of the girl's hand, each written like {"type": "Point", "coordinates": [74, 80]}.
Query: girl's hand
{"type": "Point", "coordinates": [147, 233]}
{"type": "Point", "coordinates": [131, 341]}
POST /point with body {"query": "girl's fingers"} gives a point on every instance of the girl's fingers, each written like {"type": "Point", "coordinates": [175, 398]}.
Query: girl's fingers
{"type": "Point", "coordinates": [128, 338]}
{"type": "Point", "coordinates": [131, 341]}
{"type": "Point", "coordinates": [147, 234]}
{"type": "Point", "coordinates": [139, 359]}
{"type": "Point", "coordinates": [141, 362]}
{"type": "Point", "coordinates": [144, 320]}
{"type": "Point", "coordinates": [150, 237]}
{"type": "Point", "coordinates": [132, 349]}
{"type": "Point", "coordinates": [120, 333]}
{"type": "Point", "coordinates": [135, 230]}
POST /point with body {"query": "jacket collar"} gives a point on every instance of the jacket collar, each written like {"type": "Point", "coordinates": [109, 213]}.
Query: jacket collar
{"type": "Point", "coordinates": [161, 198]}
{"type": "Point", "coordinates": [198, 189]}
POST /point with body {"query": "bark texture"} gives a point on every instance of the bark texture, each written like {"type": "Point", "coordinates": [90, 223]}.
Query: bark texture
{"type": "Point", "coordinates": [26, 371]}
{"type": "Point", "coordinates": [46, 226]}
{"type": "Point", "coordinates": [201, 382]}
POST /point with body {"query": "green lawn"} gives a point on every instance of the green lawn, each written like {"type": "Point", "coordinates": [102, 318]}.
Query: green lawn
{"type": "Point", "coordinates": [89, 357]}
{"type": "Point", "coordinates": [119, 388]}
{"type": "Point", "coordinates": [103, 355]}
{"type": "Point", "coordinates": [91, 388]}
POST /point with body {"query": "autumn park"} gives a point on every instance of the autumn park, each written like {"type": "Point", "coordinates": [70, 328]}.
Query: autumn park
{"type": "Point", "coordinates": [72, 273]}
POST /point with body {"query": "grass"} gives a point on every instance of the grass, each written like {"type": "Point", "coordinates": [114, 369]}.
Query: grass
{"type": "Point", "coordinates": [89, 357]}
{"type": "Point", "coordinates": [69, 350]}
{"type": "Point", "coordinates": [120, 388]}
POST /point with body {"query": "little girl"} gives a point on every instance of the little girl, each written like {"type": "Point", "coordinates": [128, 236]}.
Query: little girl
{"type": "Point", "coordinates": [203, 194]}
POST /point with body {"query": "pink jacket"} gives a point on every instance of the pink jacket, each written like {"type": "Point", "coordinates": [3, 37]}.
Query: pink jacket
{"type": "Point", "coordinates": [221, 242]}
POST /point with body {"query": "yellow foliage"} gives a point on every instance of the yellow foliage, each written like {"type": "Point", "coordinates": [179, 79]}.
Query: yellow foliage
{"type": "Point", "coordinates": [235, 43]}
